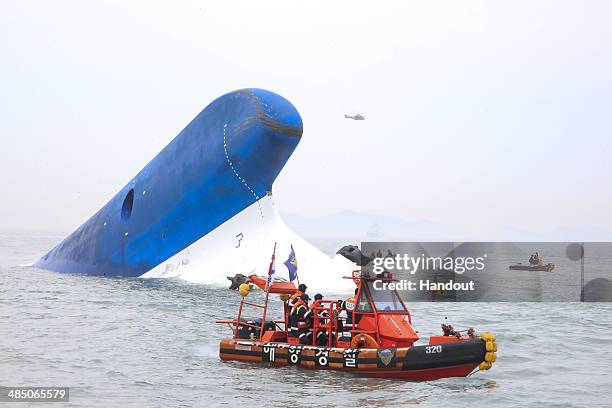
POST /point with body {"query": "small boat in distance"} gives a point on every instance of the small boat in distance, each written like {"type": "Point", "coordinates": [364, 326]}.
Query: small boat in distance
{"type": "Point", "coordinates": [543, 268]}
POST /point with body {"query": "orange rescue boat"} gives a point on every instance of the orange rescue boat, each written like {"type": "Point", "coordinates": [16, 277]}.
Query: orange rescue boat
{"type": "Point", "coordinates": [375, 338]}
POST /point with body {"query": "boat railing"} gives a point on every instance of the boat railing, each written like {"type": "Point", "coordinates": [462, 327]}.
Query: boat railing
{"type": "Point", "coordinates": [327, 323]}
{"type": "Point", "coordinates": [238, 322]}
{"type": "Point", "coordinates": [232, 324]}
{"type": "Point", "coordinates": [253, 304]}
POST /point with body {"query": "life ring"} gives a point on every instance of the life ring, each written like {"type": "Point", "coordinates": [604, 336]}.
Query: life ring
{"type": "Point", "coordinates": [363, 340]}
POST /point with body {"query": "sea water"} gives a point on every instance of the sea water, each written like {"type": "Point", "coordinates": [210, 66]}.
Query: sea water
{"type": "Point", "coordinates": [154, 343]}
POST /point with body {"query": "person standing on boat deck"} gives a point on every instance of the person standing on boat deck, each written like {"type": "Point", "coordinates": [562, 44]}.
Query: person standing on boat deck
{"type": "Point", "coordinates": [295, 304]}
{"type": "Point", "coordinates": [310, 316]}
{"type": "Point", "coordinates": [299, 314]}
{"type": "Point", "coordinates": [301, 290]}
{"type": "Point", "coordinates": [347, 306]}
{"type": "Point", "coordinates": [293, 300]}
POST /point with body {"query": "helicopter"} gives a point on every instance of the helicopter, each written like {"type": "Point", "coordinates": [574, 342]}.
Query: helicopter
{"type": "Point", "coordinates": [357, 116]}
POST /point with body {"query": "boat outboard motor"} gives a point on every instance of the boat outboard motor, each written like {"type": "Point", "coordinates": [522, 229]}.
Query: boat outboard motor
{"type": "Point", "coordinates": [353, 254]}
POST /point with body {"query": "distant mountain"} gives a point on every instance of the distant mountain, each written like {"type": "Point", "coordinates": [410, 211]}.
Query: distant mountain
{"type": "Point", "coordinates": [579, 233]}
{"type": "Point", "coordinates": [370, 227]}
{"type": "Point", "coordinates": [351, 227]}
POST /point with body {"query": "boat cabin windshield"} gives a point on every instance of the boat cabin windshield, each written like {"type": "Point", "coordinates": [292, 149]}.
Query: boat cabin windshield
{"type": "Point", "coordinates": [379, 296]}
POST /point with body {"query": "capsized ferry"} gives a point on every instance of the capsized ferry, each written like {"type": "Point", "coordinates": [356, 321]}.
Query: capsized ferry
{"type": "Point", "coordinates": [203, 207]}
{"type": "Point", "coordinates": [371, 335]}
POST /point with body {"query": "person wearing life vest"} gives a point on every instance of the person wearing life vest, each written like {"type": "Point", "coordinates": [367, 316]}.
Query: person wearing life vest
{"type": "Point", "coordinates": [291, 305]}
{"type": "Point", "coordinates": [299, 308]}
{"type": "Point", "coordinates": [301, 290]}
{"type": "Point", "coordinates": [299, 311]}
{"type": "Point", "coordinates": [309, 316]}
{"type": "Point", "coordinates": [322, 335]}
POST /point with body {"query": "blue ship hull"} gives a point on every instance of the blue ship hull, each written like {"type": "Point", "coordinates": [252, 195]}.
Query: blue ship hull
{"type": "Point", "coordinates": [225, 160]}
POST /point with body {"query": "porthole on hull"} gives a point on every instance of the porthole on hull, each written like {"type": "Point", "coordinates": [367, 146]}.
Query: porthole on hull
{"type": "Point", "coordinates": [128, 204]}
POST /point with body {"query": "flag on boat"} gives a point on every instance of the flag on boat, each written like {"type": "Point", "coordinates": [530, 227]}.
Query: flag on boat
{"type": "Point", "coordinates": [291, 265]}
{"type": "Point", "coordinates": [272, 270]}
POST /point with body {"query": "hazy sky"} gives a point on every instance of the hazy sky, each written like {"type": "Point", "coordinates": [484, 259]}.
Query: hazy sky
{"type": "Point", "coordinates": [483, 115]}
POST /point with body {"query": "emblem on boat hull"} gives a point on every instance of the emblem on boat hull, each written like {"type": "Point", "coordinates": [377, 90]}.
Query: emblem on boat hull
{"type": "Point", "coordinates": [386, 356]}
